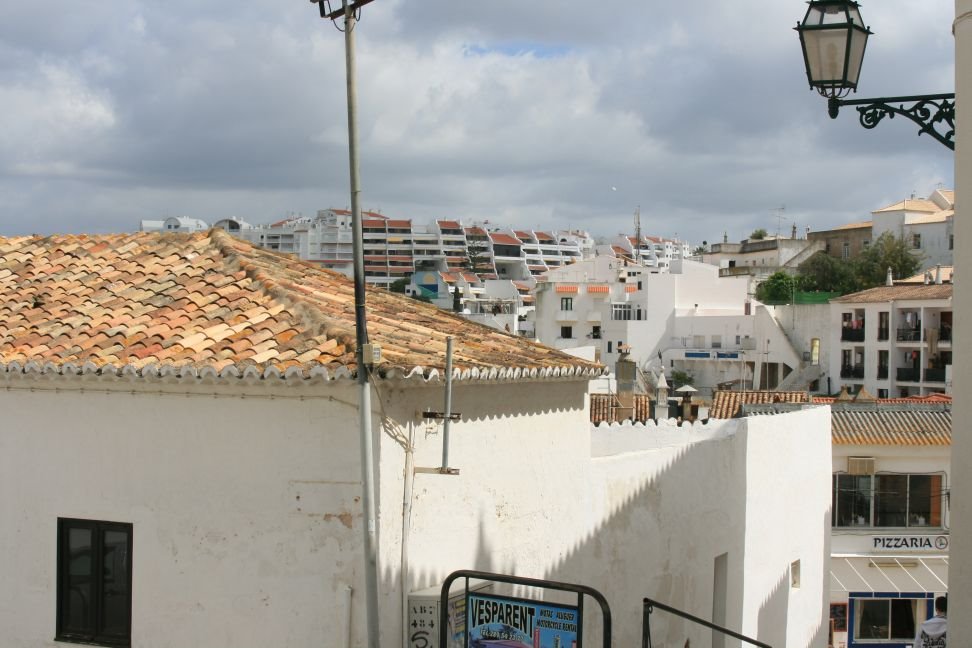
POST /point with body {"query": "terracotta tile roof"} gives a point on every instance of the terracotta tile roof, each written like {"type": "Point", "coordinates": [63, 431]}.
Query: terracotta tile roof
{"type": "Point", "coordinates": [400, 223]}
{"type": "Point", "coordinates": [604, 408]}
{"type": "Point", "coordinates": [543, 237]}
{"type": "Point", "coordinates": [445, 224]}
{"type": "Point", "coordinates": [476, 231]}
{"type": "Point", "coordinates": [211, 304]}
{"type": "Point", "coordinates": [910, 204]}
{"type": "Point", "coordinates": [850, 226]}
{"type": "Point", "coordinates": [890, 424]}
{"type": "Point", "coordinates": [523, 235]}
{"type": "Point", "coordinates": [726, 404]}
{"type": "Point", "coordinates": [504, 239]}
{"type": "Point", "coordinates": [898, 292]}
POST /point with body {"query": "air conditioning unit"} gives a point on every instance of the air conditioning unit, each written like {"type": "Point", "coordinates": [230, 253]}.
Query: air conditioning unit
{"type": "Point", "coordinates": [860, 465]}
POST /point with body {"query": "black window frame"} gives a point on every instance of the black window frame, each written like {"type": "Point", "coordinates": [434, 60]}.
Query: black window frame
{"type": "Point", "coordinates": [96, 635]}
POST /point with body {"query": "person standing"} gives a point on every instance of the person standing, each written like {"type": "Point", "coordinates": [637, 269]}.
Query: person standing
{"type": "Point", "coordinates": [931, 634]}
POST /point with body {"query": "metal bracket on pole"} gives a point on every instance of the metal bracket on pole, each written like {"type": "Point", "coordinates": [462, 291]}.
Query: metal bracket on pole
{"type": "Point", "coordinates": [934, 113]}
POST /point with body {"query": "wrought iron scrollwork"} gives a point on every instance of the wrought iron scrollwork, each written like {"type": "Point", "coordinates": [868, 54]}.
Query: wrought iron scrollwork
{"type": "Point", "coordinates": [934, 113]}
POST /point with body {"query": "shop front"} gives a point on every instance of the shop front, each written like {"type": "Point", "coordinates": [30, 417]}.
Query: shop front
{"type": "Point", "coordinates": [883, 585]}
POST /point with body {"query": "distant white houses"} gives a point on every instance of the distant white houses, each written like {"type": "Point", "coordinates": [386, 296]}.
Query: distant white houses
{"type": "Point", "coordinates": [925, 224]}
{"type": "Point", "coordinates": [688, 319]}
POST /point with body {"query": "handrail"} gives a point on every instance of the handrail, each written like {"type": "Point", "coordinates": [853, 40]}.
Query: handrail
{"type": "Point", "coordinates": [649, 604]}
{"type": "Point", "coordinates": [580, 590]}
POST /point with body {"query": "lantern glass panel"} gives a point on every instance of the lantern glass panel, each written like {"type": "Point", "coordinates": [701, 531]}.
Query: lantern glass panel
{"type": "Point", "coordinates": [856, 55]}
{"type": "Point", "coordinates": [826, 50]}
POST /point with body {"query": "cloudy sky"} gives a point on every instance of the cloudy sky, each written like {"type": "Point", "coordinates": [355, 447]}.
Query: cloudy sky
{"type": "Point", "coordinates": [543, 114]}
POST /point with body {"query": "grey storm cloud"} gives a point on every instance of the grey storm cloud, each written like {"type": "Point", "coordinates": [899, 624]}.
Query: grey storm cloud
{"type": "Point", "coordinates": [524, 114]}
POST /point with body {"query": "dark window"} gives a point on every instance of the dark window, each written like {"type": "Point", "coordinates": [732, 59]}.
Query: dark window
{"type": "Point", "coordinates": [596, 332]}
{"type": "Point", "coordinates": [567, 332]}
{"type": "Point", "coordinates": [94, 582]}
{"type": "Point", "coordinates": [887, 619]}
{"type": "Point", "coordinates": [899, 500]}
{"type": "Point", "coordinates": [609, 346]}
{"type": "Point", "coordinates": [566, 303]}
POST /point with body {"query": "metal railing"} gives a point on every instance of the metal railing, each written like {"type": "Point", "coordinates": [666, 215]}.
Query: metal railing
{"type": "Point", "coordinates": [649, 605]}
{"type": "Point", "coordinates": [848, 334]}
{"type": "Point", "coordinates": [909, 375]}
{"type": "Point", "coordinates": [852, 371]}
{"type": "Point", "coordinates": [909, 335]}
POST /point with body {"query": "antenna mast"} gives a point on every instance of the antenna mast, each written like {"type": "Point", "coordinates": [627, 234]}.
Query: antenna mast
{"type": "Point", "coordinates": [637, 224]}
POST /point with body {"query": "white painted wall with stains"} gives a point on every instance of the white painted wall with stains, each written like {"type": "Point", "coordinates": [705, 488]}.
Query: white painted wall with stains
{"type": "Point", "coordinates": [247, 523]}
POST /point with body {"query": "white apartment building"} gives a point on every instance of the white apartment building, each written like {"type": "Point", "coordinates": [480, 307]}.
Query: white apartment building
{"type": "Point", "coordinates": [689, 319]}
{"type": "Point", "coordinates": [893, 340]}
{"type": "Point", "coordinates": [926, 225]}
{"type": "Point", "coordinates": [758, 259]}
{"type": "Point", "coordinates": [653, 252]}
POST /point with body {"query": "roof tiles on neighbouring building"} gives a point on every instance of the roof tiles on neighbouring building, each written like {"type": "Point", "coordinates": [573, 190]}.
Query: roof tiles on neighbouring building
{"type": "Point", "coordinates": [504, 239]}
{"type": "Point", "coordinates": [726, 404]}
{"type": "Point", "coordinates": [897, 292]}
{"type": "Point", "coordinates": [209, 301]}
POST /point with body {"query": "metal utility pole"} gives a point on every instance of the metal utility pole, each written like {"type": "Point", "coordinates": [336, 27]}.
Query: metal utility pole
{"type": "Point", "coordinates": [365, 356]}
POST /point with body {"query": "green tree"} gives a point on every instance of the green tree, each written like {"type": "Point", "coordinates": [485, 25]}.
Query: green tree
{"type": "Point", "coordinates": [825, 273]}
{"type": "Point", "coordinates": [888, 251]}
{"type": "Point", "coordinates": [777, 289]}
{"type": "Point", "coordinates": [477, 257]}
{"type": "Point", "coordinates": [758, 234]}
{"type": "Point", "coordinates": [681, 378]}
{"type": "Point", "coordinates": [398, 286]}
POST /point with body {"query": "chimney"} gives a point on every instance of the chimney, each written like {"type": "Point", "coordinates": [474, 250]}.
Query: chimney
{"type": "Point", "coordinates": [890, 280]}
{"type": "Point", "coordinates": [661, 397]}
{"type": "Point", "coordinates": [626, 374]}
{"type": "Point", "coordinates": [793, 232]}
{"type": "Point", "coordinates": [938, 274]}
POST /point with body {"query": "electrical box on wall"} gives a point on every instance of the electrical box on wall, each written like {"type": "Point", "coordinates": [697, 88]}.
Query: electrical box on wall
{"type": "Point", "coordinates": [424, 608]}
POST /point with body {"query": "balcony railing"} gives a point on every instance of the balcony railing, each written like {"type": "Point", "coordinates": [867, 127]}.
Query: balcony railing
{"type": "Point", "coordinates": [909, 375]}
{"type": "Point", "coordinates": [909, 335]}
{"type": "Point", "coordinates": [852, 371]}
{"type": "Point", "coordinates": [945, 334]}
{"type": "Point", "coordinates": [935, 375]}
{"type": "Point", "coordinates": [882, 373]}
{"type": "Point", "coordinates": [852, 334]}
{"type": "Point", "coordinates": [883, 334]}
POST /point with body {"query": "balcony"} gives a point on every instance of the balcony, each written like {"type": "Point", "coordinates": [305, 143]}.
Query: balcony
{"type": "Point", "coordinates": [945, 334]}
{"type": "Point", "coordinates": [909, 335]}
{"type": "Point", "coordinates": [935, 375]}
{"type": "Point", "coordinates": [909, 375]}
{"type": "Point", "coordinates": [852, 371]}
{"type": "Point", "coordinates": [882, 373]}
{"type": "Point", "coordinates": [848, 334]}
{"type": "Point", "coordinates": [566, 316]}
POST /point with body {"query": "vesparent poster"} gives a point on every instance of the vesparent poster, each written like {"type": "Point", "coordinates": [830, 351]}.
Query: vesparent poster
{"type": "Point", "coordinates": [502, 622]}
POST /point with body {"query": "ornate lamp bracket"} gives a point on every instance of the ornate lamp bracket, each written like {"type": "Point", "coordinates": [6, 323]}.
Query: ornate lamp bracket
{"type": "Point", "coordinates": [935, 114]}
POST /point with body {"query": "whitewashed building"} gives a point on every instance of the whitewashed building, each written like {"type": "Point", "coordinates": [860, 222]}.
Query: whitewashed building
{"type": "Point", "coordinates": [893, 340]}
{"type": "Point", "coordinates": [179, 464]}
{"type": "Point", "coordinates": [925, 224]}
{"type": "Point", "coordinates": [688, 319]}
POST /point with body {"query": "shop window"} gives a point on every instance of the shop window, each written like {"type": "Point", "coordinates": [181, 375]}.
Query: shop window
{"type": "Point", "coordinates": [887, 619]}
{"type": "Point", "coordinates": [94, 582]}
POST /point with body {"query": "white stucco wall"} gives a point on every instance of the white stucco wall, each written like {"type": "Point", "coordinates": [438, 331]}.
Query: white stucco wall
{"type": "Point", "coordinates": [247, 522]}
{"type": "Point", "coordinates": [960, 607]}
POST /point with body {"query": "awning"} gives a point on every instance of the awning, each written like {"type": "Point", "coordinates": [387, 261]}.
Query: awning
{"type": "Point", "coordinates": [887, 573]}
{"type": "Point", "coordinates": [566, 289]}
{"type": "Point", "coordinates": [598, 288]}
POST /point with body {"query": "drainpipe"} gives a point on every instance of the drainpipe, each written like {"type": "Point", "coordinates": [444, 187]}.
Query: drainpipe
{"type": "Point", "coordinates": [448, 406]}
{"type": "Point", "coordinates": [406, 528]}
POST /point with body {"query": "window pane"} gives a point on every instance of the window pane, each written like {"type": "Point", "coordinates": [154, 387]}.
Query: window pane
{"type": "Point", "coordinates": [115, 595]}
{"type": "Point", "coordinates": [853, 500]}
{"type": "Point", "coordinates": [76, 600]}
{"type": "Point", "coordinates": [872, 619]}
{"type": "Point", "coordinates": [891, 500]}
{"type": "Point", "coordinates": [925, 500]}
{"type": "Point", "coordinates": [903, 619]}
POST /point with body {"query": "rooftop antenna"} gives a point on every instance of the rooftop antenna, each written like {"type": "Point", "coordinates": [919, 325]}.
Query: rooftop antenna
{"type": "Point", "coordinates": [779, 218]}
{"type": "Point", "coordinates": [637, 224]}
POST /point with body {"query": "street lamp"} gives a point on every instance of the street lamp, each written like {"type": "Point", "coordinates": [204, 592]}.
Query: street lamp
{"type": "Point", "coordinates": [366, 352]}
{"type": "Point", "coordinates": [833, 38]}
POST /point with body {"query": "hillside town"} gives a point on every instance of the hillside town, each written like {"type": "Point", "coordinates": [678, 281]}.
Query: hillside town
{"type": "Point", "coordinates": [466, 421]}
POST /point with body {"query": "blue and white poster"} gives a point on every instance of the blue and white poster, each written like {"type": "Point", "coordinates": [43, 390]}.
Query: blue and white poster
{"type": "Point", "coordinates": [504, 622]}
